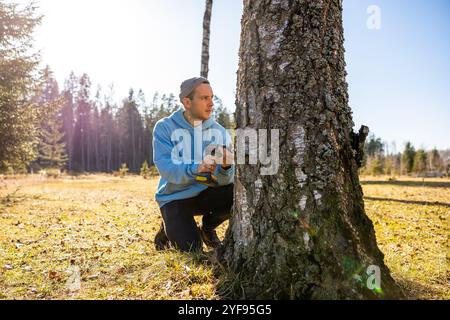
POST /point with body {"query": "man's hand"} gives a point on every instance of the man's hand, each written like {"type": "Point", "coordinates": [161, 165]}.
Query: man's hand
{"type": "Point", "coordinates": [208, 165]}
{"type": "Point", "coordinates": [224, 157]}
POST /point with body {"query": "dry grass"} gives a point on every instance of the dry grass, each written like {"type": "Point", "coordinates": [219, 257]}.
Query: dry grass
{"type": "Point", "coordinates": [411, 221]}
{"type": "Point", "coordinates": [102, 227]}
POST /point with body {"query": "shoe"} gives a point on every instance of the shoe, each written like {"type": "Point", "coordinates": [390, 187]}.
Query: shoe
{"type": "Point", "coordinates": [161, 240]}
{"type": "Point", "coordinates": [210, 238]}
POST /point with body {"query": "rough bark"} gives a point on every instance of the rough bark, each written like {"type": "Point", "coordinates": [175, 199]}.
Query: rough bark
{"type": "Point", "coordinates": [302, 233]}
{"type": "Point", "coordinates": [205, 43]}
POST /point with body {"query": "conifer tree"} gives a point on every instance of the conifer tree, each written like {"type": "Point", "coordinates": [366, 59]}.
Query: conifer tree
{"type": "Point", "coordinates": [17, 85]}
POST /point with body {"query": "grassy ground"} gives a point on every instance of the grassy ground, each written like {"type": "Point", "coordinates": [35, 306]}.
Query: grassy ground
{"type": "Point", "coordinates": [411, 219]}
{"type": "Point", "coordinates": [91, 237]}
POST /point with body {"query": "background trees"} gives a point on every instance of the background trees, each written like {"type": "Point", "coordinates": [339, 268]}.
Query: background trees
{"type": "Point", "coordinates": [382, 158]}
{"type": "Point", "coordinates": [78, 129]}
{"type": "Point", "coordinates": [93, 133]}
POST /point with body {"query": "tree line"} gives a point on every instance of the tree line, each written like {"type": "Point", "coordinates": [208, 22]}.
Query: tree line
{"type": "Point", "coordinates": [84, 130]}
{"type": "Point", "coordinates": [381, 157]}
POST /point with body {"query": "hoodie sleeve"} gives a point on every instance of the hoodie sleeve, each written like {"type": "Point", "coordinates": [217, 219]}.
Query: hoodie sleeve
{"type": "Point", "coordinates": [162, 157]}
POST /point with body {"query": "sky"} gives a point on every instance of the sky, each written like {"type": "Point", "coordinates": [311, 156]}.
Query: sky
{"type": "Point", "coordinates": [398, 72]}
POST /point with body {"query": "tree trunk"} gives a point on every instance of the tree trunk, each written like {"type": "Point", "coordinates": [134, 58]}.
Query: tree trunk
{"type": "Point", "coordinates": [133, 141]}
{"type": "Point", "coordinates": [82, 144]}
{"type": "Point", "coordinates": [303, 232]}
{"type": "Point", "coordinates": [68, 127]}
{"type": "Point", "coordinates": [89, 141]}
{"type": "Point", "coordinates": [205, 43]}
{"type": "Point", "coordinates": [109, 148]}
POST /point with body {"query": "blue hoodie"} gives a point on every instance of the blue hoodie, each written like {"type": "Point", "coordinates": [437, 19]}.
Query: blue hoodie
{"type": "Point", "coordinates": [177, 157]}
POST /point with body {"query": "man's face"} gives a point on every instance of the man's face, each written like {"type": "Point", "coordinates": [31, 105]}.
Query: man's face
{"type": "Point", "coordinates": [201, 106]}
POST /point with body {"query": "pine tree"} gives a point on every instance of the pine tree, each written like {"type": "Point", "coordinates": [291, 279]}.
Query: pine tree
{"type": "Point", "coordinates": [408, 158]}
{"type": "Point", "coordinates": [95, 130]}
{"type": "Point", "coordinates": [18, 116]}
{"type": "Point", "coordinates": [52, 151]}
{"type": "Point", "coordinates": [51, 147]}
{"type": "Point", "coordinates": [436, 163]}
{"type": "Point", "coordinates": [82, 126]}
{"type": "Point", "coordinates": [105, 138]}
{"type": "Point", "coordinates": [130, 131]}
{"type": "Point", "coordinates": [420, 162]}
{"type": "Point", "coordinates": [108, 131]}
{"type": "Point", "coordinates": [68, 117]}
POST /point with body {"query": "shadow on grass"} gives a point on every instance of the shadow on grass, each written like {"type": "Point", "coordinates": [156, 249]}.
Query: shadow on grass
{"type": "Point", "coordinates": [423, 203]}
{"type": "Point", "coordinates": [415, 290]}
{"type": "Point", "coordinates": [431, 184]}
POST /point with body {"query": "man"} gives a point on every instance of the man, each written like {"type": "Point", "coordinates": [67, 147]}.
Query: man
{"type": "Point", "coordinates": [192, 182]}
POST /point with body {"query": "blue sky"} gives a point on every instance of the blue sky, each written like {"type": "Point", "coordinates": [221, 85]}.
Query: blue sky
{"type": "Point", "coordinates": [398, 75]}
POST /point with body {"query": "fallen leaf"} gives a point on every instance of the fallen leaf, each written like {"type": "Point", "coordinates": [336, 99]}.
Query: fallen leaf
{"type": "Point", "coordinates": [53, 275]}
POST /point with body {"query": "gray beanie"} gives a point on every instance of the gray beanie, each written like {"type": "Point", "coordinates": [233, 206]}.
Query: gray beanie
{"type": "Point", "coordinates": [188, 86]}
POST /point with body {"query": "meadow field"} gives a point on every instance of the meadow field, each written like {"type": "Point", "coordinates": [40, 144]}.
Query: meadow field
{"type": "Point", "coordinates": [91, 237]}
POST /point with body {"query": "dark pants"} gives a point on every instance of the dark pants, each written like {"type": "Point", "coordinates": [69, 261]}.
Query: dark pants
{"type": "Point", "coordinates": [214, 204]}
